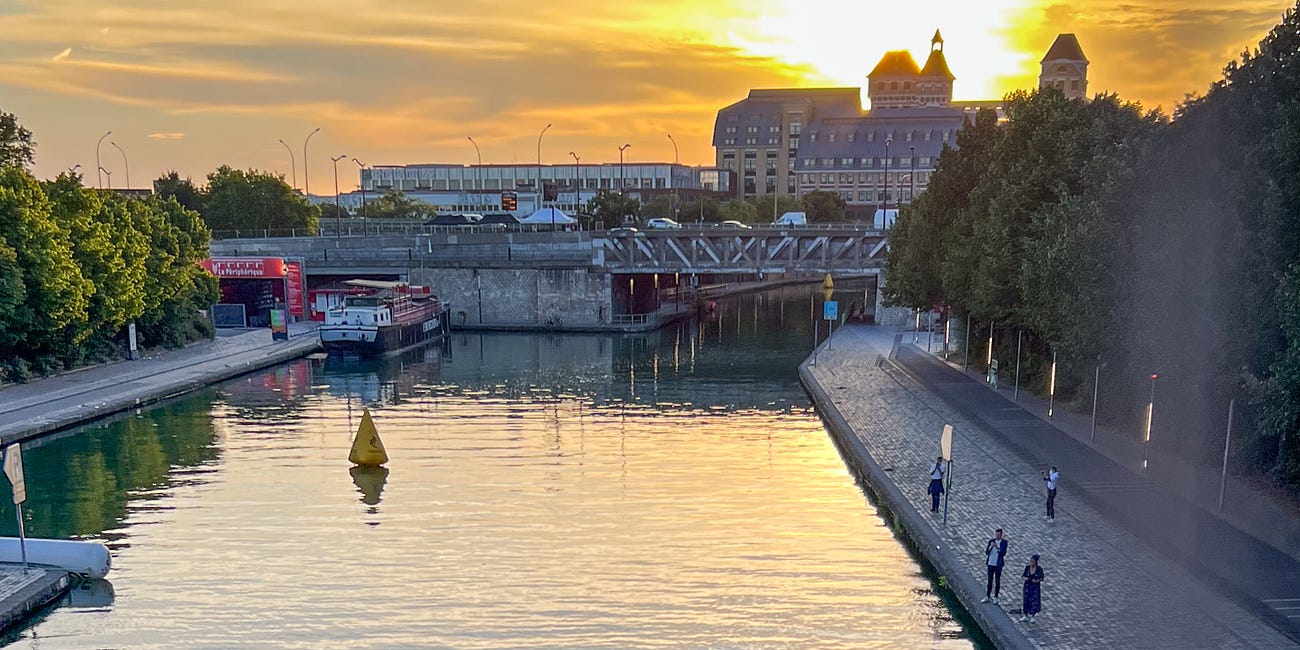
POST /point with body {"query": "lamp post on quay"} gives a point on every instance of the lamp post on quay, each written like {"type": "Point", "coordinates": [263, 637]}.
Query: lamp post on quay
{"type": "Point", "coordinates": [478, 169]}
{"type": "Point", "coordinates": [293, 164]}
{"type": "Point", "coordinates": [676, 210]}
{"type": "Point", "coordinates": [338, 211]}
{"type": "Point", "coordinates": [125, 163]}
{"type": "Point", "coordinates": [577, 176]}
{"type": "Point", "coordinates": [109, 175]}
{"type": "Point", "coordinates": [306, 176]}
{"type": "Point", "coordinates": [541, 193]}
{"type": "Point", "coordinates": [361, 182]}
{"type": "Point", "coordinates": [911, 177]}
{"type": "Point", "coordinates": [98, 165]}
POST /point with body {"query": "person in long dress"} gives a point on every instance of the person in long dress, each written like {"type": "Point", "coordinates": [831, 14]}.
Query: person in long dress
{"type": "Point", "coordinates": [1033, 576]}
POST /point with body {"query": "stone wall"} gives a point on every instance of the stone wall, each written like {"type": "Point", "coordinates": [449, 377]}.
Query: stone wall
{"type": "Point", "coordinates": [553, 298]}
{"type": "Point", "coordinates": [891, 316]}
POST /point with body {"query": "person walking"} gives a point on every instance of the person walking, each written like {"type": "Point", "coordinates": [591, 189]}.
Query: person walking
{"type": "Point", "coordinates": [995, 552]}
{"type": "Point", "coordinates": [1051, 477]}
{"type": "Point", "coordinates": [1033, 576]}
{"type": "Point", "coordinates": [936, 483]}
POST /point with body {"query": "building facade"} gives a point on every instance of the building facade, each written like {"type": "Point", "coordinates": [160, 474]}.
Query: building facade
{"type": "Point", "coordinates": [794, 141]}
{"type": "Point", "coordinates": [1065, 67]}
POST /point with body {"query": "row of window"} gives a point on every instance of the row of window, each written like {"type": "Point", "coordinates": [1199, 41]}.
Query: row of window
{"type": "Point", "coordinates": [863, 179]}
{"type": "Point", "coordinates": [848, 163]}
{"type": "Point", "coordinates": [871, 135]}
{"type": "Point", "coordinates": [731, 142]}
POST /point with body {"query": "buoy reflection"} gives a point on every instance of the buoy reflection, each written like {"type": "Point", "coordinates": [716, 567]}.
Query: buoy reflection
{"type": "Point", "coordinates": [370, 481]}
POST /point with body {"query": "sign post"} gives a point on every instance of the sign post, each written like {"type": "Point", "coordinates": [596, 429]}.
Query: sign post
{"type": "Point", "coordinates": [13, 465]}
{"type": "Point", "coordinates": [830, 312]}
{"type": "Point", "coordinates": [945, 448]}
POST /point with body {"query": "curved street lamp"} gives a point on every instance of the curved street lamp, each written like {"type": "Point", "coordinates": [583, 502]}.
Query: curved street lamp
{"type": "Point", "coordinates": [306, 180]}
{"type": "Point", "coordinates": [338, 212]}
{"type": "Point", "coordinates": [577, 180]}
{"type": "Point", "coordinates": [361, 182]}
{"type": "Point", "coordinates": [478, 180]}
{"type": "Point", "coordinates": [110, 177]}
{"type": "Point", "coordinates": [541, 193]}
{"type": "Point", "coordinates": [99, 166]}
{"type": "Point", "coordinates": [125, 163]}
{"type": "Point", "coordinates": [293, 164]}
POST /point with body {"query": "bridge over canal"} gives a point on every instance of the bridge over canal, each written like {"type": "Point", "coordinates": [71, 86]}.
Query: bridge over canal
{"type": "Point", "coordinates": [579, 279]}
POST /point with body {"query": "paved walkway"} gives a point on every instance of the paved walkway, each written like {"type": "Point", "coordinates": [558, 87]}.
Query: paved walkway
{"type": "Point", "coordinates": [45, 405]}
{"type": "Point", "coordinates": [1105, 586]}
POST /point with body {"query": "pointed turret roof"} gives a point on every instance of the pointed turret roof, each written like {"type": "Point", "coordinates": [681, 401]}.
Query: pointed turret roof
{"type": "Point", "coordinates": [1066, 47]}
{"type": "Point", "coordinates": [937, 65]}
{"type": "Point", "coordinates": [898, 62]}
{"type": "Point", "coordinates": [938, 38]}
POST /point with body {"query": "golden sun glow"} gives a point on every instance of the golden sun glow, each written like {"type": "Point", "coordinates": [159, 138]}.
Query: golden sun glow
{"type": "Point", "coordinates": [839, 41]}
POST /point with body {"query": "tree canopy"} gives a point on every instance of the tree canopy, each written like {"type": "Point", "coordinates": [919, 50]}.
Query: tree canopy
{"type": "Point", "coordinates": [251, 201]}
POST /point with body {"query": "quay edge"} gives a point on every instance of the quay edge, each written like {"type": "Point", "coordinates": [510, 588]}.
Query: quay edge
{"type": "Point", "coordinates": [968, 589]}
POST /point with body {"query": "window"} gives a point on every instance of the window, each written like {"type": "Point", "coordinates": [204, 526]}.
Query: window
{"type": "Point", "coordinates": [751, 140]}
{"type": "Point", "coordinates": [828, 162]}
{"type": "Point", "coordinates": [791, 164]}
{"type": "Point", "coordinates": [925, 161]}
{"type": "Point", "coordinates": [831, 137]}
{"type": "Point", "coordinates": [750, 165]}
{"type": "Point", "coordinates": [808, 162]}
{"type": "Point", "coordinates": [774, 140]}
{"type": "Point", "coordinates": [1074, 84]}
{"type": "Point", "coordinates": [893, 86]}
{"type": "Point", "coordinates": [907, 85]}
{"type": "Point", "coordinates": [729, 141]}
{"type": "Point", "coordinates": [825, 179]}
{"type": "Point", "coordinates": [731, 129]}
{"type": "Point", "coordinates": [812, 136]}
{"type": "Point", "coordinates": [774, 129]}
{"type": "Point", "coordinates": [862, 178]}
{"type": "Point", "coordinates": [751, 129]}
{"type": "Point", "coordinates": [909, 135]}
{"type": "Point", "coordinates": [867, 162]}
{"type": "Point", "coordinates": [853, 135]}
{"type": "Point", "coordinates": [846, 162]}
{"type": "Point", "coordinates": [862, 196]}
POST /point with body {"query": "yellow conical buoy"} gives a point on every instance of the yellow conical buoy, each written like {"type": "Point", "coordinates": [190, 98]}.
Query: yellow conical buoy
{"type": "Point", "coordinates": [368, 449]}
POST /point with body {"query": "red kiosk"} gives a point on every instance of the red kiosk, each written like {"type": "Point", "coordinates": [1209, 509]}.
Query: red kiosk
{"type": "Point", "coordinates": [253, 288]}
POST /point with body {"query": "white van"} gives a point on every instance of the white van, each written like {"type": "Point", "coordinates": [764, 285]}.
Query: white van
{"type": "Point", "coordinates": [792, 219]}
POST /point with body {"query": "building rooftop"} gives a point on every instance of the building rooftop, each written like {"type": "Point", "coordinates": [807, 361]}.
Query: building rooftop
{"type": "Point", "coordinates": [1065, 48]}
{"type": "Point", "coordinates": [897, 62]}
{"type": "Point", "coordinates": [937, 66]}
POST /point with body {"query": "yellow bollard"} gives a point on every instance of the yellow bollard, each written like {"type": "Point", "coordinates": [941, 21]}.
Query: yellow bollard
{"type": "Point", "coordinates": [367, 449]}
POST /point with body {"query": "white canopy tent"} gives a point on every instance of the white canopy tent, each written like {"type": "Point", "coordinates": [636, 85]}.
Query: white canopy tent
{"type": "Point", "coordinates": [547, 216]}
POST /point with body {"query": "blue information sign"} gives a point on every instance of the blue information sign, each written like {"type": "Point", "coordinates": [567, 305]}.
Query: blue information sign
{"type": "Point", "coordinates": [830, 310]}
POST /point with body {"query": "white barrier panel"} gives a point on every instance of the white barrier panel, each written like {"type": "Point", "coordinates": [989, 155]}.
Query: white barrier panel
{"type": "Point", "coordinates": [89, 559]}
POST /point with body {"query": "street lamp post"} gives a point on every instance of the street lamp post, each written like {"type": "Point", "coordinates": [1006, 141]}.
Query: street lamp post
{"type": "Point", "coordinates": [126, 164]}
{"type": "Point", "coordinates": [361, 182]}
{"type": "Point", "coordinates": [1151, 408]}
{"type": "Point", "coordinates": [293, 164]}
{"type": "Point", "coordinates": [99, 167]}
{"type": "Point", "coordinates": [676, 210]}
{"type": "Point", "coordinates": [541, 193]}
{"type": "Point", "coordinates": [911, 177]}
{"type": "Point", "coordinates": [306, 177]}
{"type": "Point", "coordinates": [622, 181]}
{"type": "Point", "coordinates": [478, 169]}
{"type": "Point", "coordinates": [884, 212]}
{"type": "Point", "coordinates": [338, 211]}
{"type": "Point", "coordinates": [577, 179]}
{"type": "Point", "coordinates": [109, 175]}
{"type": "Point", "coordinates": [72, 171]}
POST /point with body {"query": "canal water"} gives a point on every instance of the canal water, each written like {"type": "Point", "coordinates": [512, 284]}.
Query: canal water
{"type": "Point", "coordinates": [670, 489]}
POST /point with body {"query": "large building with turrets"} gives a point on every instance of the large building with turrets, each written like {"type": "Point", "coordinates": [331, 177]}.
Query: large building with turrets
{"type": "Point", "coordinates": [797, 140]}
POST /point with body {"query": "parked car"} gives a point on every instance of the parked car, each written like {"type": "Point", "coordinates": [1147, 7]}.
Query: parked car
{"type": "Point", "coordinates": [663, 224]}
{"type": "Point", "coordinates": [792, 219]}
{"type": "Point", "coordinates": [732, 223]}
{"type": "Point", "coordinates": [622, 232]}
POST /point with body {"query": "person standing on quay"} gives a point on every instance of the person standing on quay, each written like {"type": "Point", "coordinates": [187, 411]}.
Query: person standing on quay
{"type": "Point", "coordinates": [996, 552]}
{"type": "Point", "coordinates": [936, 483]}
{"type": "Point", "coordinates": [1051, 477]}
{"type": "Point", "coordinates": [1033, 576]}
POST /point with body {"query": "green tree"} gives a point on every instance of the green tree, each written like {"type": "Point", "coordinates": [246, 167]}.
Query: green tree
{"type": "Point", "coordinates": [16, 146]}
{"type": "Point", "coordinates": [824, 207]}
{"type": "Point", "coordinates": [703, 208]}
{"type": "Point", "coordinates": [737, 210]}
{"type": "Point", "coordinates": [172, 186]}
{"type": "Point", "coordinates": [764, 208]}
{"type": "Point", "coordinates": [394, 204]}
{"type": "Point", "coordinates": [660, 207]}
{"type": "Point", "coordinates": [253, 201]}
{"type": "Point", "coordinates": [612, 207]}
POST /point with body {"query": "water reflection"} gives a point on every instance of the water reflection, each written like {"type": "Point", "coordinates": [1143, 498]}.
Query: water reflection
{"type": "Point", "coordinates": [671, 488]}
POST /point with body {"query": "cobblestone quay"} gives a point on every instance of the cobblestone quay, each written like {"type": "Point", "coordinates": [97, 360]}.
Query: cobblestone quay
{"type": "Point", "coordinates": [1104, 587]}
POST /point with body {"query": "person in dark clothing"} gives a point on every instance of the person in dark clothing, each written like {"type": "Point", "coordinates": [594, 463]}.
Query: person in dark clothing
{"type": "Point", "coordinates": [1051, 477]}
{"type": "Point", "coordinates": [1033, 576]}
{"type": "Point", "coordinates": [995, 553]}
{"type": "Point", "coordinates": [936, 483]}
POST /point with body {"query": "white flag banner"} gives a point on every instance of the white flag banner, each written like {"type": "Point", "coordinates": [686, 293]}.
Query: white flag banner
{"type": "Point", "coordinates": [945, 443]}
{"type": "Point", "coordinates": [14, 471]}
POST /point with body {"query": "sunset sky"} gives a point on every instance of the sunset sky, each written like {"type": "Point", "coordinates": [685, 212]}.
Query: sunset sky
{"type": "Point", "coordinates": [194, 84]}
